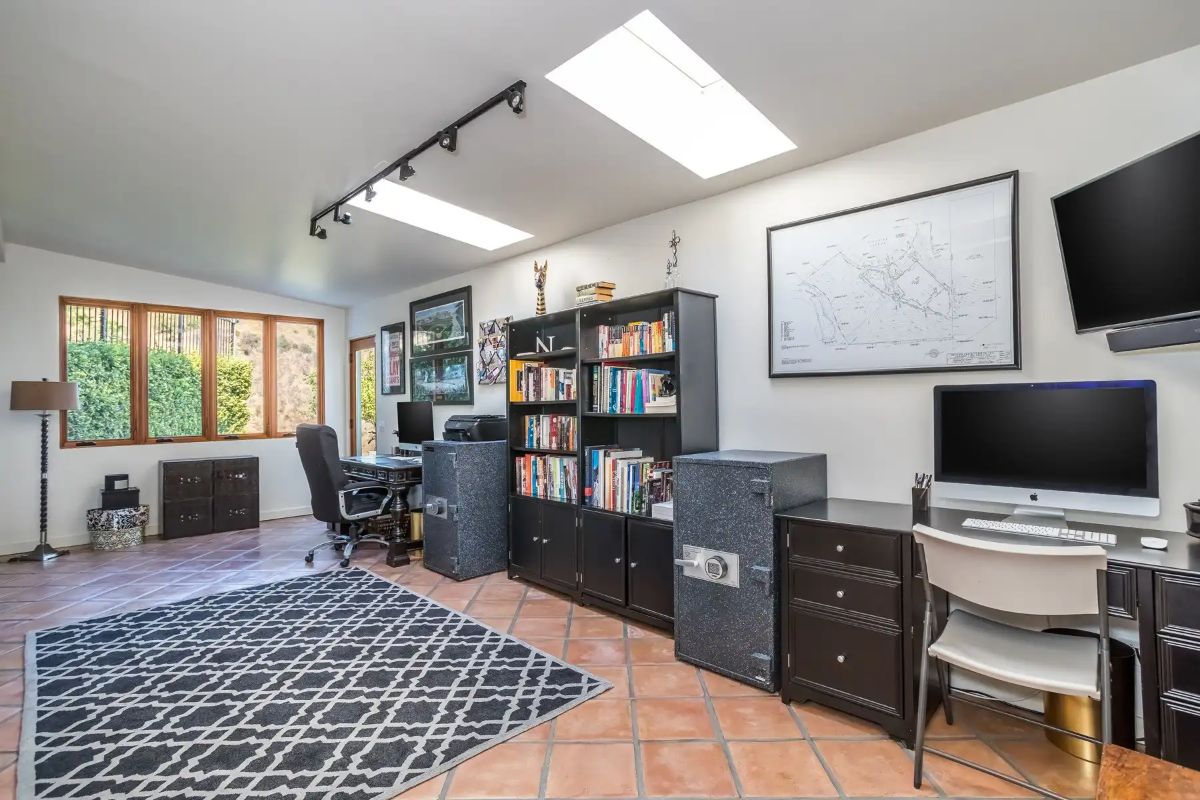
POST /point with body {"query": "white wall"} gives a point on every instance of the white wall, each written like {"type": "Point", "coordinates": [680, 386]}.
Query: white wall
{"type": "Point", "coordinates": [877, 430]}
{"type": "Point", "coordinates": [30, 284]}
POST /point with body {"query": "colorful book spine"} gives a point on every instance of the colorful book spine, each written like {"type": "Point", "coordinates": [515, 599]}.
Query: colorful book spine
{"type": "Point", "coordinates": [551, 432]}
{"type": "Point", "coordinates": [534, 381]}
{"type": "Point", "coordinates": [548, 477]}
{"type": "Point", "coordinates": [627, 390]}
{"type": "Point", "coordinates": [638, 338]}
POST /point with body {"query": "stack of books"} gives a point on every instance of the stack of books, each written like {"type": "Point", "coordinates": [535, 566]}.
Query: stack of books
{"type": "Point", "coordinates": [534, 381]}
{"type": "Point", "coordinates": [590, 293]}
{"type": "Point", "coordinates": [551, 432]}
{"type": "Point", "coordinates": [626, 390]}
{"type": "Point", "coordinates": [625, 480]}
{"type": "Point", "coordinates": [548, 477]}
{"type": "Point", "coordinates": [638, 338]}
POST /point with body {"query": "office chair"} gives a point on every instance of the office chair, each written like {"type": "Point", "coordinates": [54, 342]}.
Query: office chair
{"type": "Point", "coordinates": [1022, 579]}
{"type": "Point", "coordinates": [335, 499]}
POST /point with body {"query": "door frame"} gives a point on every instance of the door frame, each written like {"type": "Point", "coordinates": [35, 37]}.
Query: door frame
{"type": "Point", "coordinates": [357, 345]}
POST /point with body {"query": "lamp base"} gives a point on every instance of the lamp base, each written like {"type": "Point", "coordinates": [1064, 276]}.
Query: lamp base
{"type": "Point", "coordinates": [43, 552]}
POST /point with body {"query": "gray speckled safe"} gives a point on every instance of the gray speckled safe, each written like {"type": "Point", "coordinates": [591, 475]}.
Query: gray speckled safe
{"type": "Point", "coordinates": [726, 501]}
{"type": "Point", "coordinates": [466, 507]}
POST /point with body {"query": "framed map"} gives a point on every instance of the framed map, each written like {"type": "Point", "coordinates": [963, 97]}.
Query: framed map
{"type": "Point", "coordinates": [446, 380]}
{"type": "Point", "coordinates": [442, 323]}
{"type": "Point", "coordinates": [924, 283]}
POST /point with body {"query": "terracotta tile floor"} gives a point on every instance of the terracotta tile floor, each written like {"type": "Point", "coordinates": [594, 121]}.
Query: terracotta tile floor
{"type": "Point", "coordinates": [666, 729]}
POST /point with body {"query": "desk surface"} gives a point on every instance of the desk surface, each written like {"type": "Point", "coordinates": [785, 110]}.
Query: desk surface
{"type": "Point", "coordinates": [1182, 553]}
{"type": "Point", "coordinates": [384, 462]}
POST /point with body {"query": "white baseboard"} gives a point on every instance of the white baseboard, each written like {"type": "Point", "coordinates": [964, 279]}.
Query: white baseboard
{"type": "Point", "coordinates": [80, 538]}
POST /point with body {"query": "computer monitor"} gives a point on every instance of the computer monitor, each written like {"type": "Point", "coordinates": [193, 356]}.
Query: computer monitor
{"type": "Point", "coordinates": [1048, 447]}
{"type": "Point", "coordinates": [414, 424]}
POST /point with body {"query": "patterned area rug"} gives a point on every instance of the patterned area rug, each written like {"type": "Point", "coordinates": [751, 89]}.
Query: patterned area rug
{"type": "Point", "coordinates": [334, 686]}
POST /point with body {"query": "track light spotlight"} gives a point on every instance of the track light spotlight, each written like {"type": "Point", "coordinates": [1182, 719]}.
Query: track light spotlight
{"type": "Point", "coordinates": [516, 100]}
{"type": "Point", "coordinates": [341, 216]}
{"type": "Point", "coordinates": [405, 172]}
{"type": "Point", "coordinates": [448, 139]}
{"type": "Point", "coordinates": [369, 194]}
{"type": "Point", "coordinates": [317, 231]}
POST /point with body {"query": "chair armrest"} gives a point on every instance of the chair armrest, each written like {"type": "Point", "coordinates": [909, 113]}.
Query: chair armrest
{"type": "Point", "coordinates": [376, 499]}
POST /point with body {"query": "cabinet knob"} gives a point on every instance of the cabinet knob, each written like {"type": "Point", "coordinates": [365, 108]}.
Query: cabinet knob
{"type": "Point", "coordinates": [545, 540]}
{"type": "Point", "coordinates": [840, 594]}
{"type": "Point", "coordinates": [841, 659]}
{"type": "Point", "coordinates": [632, 564]}
{"type": "Point", "coordinates": [616, 561]}
{"type": "Point", "coordinates": [841, 547]}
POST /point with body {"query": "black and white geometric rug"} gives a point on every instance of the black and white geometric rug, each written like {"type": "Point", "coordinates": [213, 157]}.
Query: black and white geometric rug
{"type": "Point", "coordinates": [333, 686]}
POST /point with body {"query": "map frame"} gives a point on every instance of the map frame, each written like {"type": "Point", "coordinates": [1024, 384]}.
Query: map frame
{"type": "Point", "coordinates": [1013, 363]}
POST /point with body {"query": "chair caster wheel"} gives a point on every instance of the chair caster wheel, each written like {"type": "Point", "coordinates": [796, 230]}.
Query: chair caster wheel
{"type": "Point", "coordinates": [308, 559]}
{"type": "Point", "coordinates": [345, 562]}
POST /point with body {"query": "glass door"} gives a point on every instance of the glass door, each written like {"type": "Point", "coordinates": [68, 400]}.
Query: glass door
{"type": "Point", "coordinates": [362, 396]}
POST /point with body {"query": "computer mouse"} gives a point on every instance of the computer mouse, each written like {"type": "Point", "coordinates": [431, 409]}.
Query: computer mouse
{"type": "Point", "coordinates": [1154, 543]}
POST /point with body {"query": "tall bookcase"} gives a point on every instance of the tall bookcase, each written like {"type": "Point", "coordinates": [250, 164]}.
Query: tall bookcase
{"type": "Point", "coordinates": [619, 561]}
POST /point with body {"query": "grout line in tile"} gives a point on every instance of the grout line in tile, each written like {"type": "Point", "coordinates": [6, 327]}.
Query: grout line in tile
{"type": "Point", "coordinates": [829, 773]}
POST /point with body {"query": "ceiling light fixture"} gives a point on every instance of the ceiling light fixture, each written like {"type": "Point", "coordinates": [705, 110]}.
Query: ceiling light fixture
{"type": "Point", "coordinates": [447, 138]}
{"type": "Point", "coordinates": [429, 213]}
{"type": "Point", "coordinates": [647, 80]}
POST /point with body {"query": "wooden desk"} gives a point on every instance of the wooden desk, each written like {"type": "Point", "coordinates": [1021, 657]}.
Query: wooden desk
{"type": "Point", "coordinates": [1129, 775]}
{"type": "Point", "coordinates": [399, 474]}
{"type": "Point", "coordinates": [1160, 589]}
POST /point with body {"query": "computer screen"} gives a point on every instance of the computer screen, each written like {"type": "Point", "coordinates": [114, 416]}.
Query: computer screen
{"type": "Point", "coordinates": [414, 424]}
{"type": "Point", "coordinates": [1097, 438]}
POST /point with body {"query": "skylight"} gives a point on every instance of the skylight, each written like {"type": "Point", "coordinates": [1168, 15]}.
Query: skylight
{"type": "Point", "coordinates": [647, 80]}
{"type": "Point", "coordinates": [422, 211]}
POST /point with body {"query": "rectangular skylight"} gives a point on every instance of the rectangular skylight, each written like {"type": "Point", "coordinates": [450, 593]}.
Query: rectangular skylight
{"type": "Point", "coordinates": [647, 80]}
{"type": "Point", "coordinates": [422, 211]}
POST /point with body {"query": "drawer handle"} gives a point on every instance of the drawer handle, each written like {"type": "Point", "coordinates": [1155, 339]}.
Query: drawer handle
{"type": "Point", "coordinates": [841, 593]}
{"type": "Point", "coordinates": [841, 659]}
{"type": "Point", "coordinates": [841, 547]}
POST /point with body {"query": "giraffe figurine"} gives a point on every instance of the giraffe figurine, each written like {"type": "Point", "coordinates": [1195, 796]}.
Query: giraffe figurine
{"type": "Point", "coordinates": [539, 281]}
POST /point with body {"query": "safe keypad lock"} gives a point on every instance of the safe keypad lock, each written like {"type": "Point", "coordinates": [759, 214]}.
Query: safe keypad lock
{"type": "Point", "coordinates": [715, 566]}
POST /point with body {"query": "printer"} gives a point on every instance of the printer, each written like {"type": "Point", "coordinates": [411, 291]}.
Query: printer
{"type": "Point", "coordinates": [476, 428]}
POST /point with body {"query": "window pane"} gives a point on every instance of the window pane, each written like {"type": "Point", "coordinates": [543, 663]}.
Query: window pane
{"type": "Point", "coordinates": [364, 393]}
{"type": "Point", "coordinates": [173, 369]}
{"type": "Point", "coordinates": [239, 376]}
{"type": "Point", "coordinates": [297, 375]}
{"type": "Point", "coordinates": [97, 342]}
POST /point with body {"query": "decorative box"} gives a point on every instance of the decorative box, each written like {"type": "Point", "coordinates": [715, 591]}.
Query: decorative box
{"type": "Point", "coordinates": [117, 528]}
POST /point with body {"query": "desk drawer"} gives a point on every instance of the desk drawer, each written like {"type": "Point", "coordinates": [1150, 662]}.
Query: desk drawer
{"type": "Point", "coordinates": [234, 476]}
{"type": "Point", "coordinates": [853, 661]}
{"type": "Point", "coordinates": [186, 480]}
{"type": "Point", "coordinates": [1122, 593]}
{"type": "Point", "coordinates": [235, 512]}
{"type": "Point", "coordinates": [186, 518]}
{"type": "Point", "coordinates": [841, 591]}
{"type": "Point", "coordinates": [878, 552]}
{"type": "Point", "coordinates": [1180, 732]}
{"type": "Point", "coordinates": [1179, 670]}
{"type": "Point", "coordinates": [1177, 603]}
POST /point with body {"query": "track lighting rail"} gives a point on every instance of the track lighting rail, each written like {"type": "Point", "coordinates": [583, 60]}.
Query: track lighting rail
{"type": "Point", "coordinates": [513, 97]}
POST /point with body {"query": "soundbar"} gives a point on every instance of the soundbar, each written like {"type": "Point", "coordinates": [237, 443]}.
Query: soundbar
{"type": "Point", "coordinates": [1158, 334]}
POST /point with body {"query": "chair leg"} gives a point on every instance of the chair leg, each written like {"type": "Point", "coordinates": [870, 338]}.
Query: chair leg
{"type": "Point", "coordinates": [333, 541]}
{"type": "Point", "coordinates": [922, 703]}
{"type": "Point", "coordinates": [943, 673]}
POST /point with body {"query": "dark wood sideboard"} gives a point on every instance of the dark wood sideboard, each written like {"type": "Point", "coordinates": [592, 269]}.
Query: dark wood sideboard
{"type": "Point", "coordinates": [851, 616]}
{"type": "Point", "coordinates": [208, 495]}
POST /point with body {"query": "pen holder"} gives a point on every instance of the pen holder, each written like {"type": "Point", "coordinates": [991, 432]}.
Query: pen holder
{"type": "Point", "coordinates": [1193, 518]}
{"type": "Point", "coordinates": [920, 500]}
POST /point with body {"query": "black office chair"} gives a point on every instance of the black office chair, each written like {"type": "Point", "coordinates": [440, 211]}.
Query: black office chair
{"type": "Point", "coordinates": [335, 499]}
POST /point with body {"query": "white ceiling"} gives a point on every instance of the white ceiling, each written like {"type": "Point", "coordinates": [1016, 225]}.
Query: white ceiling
{"type": "Point", "coordinates": [196, 138]}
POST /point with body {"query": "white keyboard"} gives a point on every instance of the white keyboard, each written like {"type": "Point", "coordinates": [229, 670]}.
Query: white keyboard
{"type": "Point", "coordinates": [1021, 529]}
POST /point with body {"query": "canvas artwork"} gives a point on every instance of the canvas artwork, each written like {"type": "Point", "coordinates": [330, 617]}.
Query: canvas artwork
{"type": "Point", "coordinates": [443, 379]}
{"type": "Point", "coordinates": [442, 323]}
{"type": "Point", "coordinates": [493, 351]}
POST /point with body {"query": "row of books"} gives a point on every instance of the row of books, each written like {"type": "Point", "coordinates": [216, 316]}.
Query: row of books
{"type": "Point", "coordinates": [638, 338]}
{"type": "Point", "coordinates": [625, 480]}
{"type": "Point", "coordinates": [548, 477]}
{"type": "Point", "coordinates": [551, 431]}
{"type": "Point", "coordinates": [533, 380]}
{"type": "Point", "coordinates": [627, 390]}
{"type": "Point", "coordinates": [599, 292]}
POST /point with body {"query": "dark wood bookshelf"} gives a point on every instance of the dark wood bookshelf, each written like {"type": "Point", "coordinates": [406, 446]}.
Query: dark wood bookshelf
{"type": "Point", "coordinates": [590, 552]}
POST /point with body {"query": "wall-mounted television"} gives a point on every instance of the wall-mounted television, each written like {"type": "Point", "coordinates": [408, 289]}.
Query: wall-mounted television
{"type": "Point", "coordinates": [1131, 241]}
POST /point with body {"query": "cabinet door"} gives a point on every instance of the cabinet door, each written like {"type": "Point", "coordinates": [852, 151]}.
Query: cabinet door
{"type": "Point", "coordinates": [186, 480]}
{"type": "Point", "coordinates": [525, 532]}
{"type": "Point", "coordinates": [234, 512]}
{"type": "Point", "coordinates": [602, 555]}
{"type": "Point", "coordinates": [186, 518]}
{"type": "Point", "coordinates": [1181, 734]}
{"type": "Point", "coordinates": [559, 564]}
{"type": "Point", "coordinates": [651, 568]}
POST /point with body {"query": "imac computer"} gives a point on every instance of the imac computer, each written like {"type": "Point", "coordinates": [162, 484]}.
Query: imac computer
{"type": "Point", "coordinates": [1049, 447]}
{"type": "Point", "coordinates": [414, 424]}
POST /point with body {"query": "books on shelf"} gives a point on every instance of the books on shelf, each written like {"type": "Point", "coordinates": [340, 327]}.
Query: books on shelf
{"type": "Point", "coordinates": [619, 389]}
{"type": "Point", "coordinates": [551, 431]}
{"type": "Point", "coordinates": [548, 477]}
{"type": "Point", "coordinates": [625, 480]}
{"type": "Point", "coordinates": [598, 292]}
{"type": "Point", "coordinates": [534, 381]}
{"type": "Point", "coordinates": [638, 338]}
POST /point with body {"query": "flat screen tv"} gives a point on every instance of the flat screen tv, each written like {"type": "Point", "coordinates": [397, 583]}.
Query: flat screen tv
{"type": "Point", "coordinates": [1131, 241]}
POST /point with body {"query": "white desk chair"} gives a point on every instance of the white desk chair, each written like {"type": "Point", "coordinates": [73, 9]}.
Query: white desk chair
{"type": "Point", "coordinates": [1023, 579]}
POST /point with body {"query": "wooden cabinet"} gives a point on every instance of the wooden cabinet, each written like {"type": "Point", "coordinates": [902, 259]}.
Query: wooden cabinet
{"type": "Point", "coordinates": [627, 563]}
{"type": "Point", "coordinates": [650, 546]}
{"type": "Point", "coordinates": [602, 562]}
{"type": "Point", "coordinates": [542, 543]}
{"type": "Point", "coordinates": [208, 495]}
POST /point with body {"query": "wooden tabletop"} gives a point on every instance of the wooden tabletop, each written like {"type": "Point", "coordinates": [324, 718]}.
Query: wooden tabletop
{"type": "Point", "coordinates": [1129, 775]}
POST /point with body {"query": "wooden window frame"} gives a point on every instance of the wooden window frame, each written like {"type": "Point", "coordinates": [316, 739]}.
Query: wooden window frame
{"type": "Point", "coordinates": [139, 376]}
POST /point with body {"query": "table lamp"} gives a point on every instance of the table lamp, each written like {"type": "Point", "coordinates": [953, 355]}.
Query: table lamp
{"type": "Point", "coordinates": [44, 397]}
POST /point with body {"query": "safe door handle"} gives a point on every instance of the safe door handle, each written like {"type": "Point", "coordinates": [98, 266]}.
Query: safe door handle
{"type": "Point", "coordinates": [687, 562]}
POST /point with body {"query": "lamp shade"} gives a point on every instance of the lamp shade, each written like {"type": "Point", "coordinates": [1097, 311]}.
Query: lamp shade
{"type": "Point", "coordinates": [44, 396]}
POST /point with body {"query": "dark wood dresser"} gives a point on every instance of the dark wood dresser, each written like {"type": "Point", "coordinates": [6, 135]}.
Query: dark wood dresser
{"type": "Point", "coordinates": [208, 495]}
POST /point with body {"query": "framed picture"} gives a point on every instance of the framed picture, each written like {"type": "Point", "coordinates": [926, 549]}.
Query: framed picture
{"type": "Point", "coordinates": [441, 324]}
{"type": "Point", "coordinates": [492, 365]}
{"type": "Point", "coordinates": [392, 370]}
{"type": "Point", "coordinates": [446, 380]}
{"type": "Point", "coordinates": [924, 283]}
